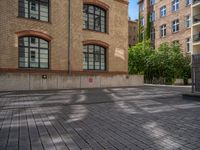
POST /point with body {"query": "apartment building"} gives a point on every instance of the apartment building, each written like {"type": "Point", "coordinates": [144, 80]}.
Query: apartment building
{"type": "Point", "coordinates": [44, 42]}
{"type": "Point", "coordinates": [166, 21]}
{"type": "Point", "coordinates": [196, 44]}
{"type": "Point", "coordinates": [132, 32]}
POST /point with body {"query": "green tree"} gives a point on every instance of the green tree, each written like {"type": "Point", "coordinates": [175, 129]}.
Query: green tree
{"type": "Point", "coordinates": [167, 62]}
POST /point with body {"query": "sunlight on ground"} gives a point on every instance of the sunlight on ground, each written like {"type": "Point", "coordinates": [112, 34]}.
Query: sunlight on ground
{"type": "Point", "coordinates": [160, 136]}
{"type": "Point", "coordinates": [78, 112]}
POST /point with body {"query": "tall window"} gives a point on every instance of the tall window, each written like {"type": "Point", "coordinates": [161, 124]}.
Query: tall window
{"type": "Point", "coordinates": [188, 21]}
{"type": "Point", "coordinates": [152, 34]}
{"type": "Point", "coordinates": [175, 26]}
{"type": "Point", "coordinates": [152, 2]}
{"type": "Point", "coordinates": [142, 21]}
{"type": "Point", "coordinates": [188, 44]}
{"type": "Point", "coordinates": [188, 2]}
{"type": "Point", "coordinates": [94, 18]}
{"type": "Point", "coordinates": [142, 6]}
{"type": "Point", "coordinates": [94, 57]}
{"type": "Point", "coordinates": [175, 5]}
{"type": "Point", "coordinates": [163, 30]}
{"type": "Point", "coordinates": [163, 11]}
{"type": "Point", "coordinates": [33, 53]}
{"type": "Point", "coordinates": [34, 9]}
{"type": "Point", "coordinates": [152, 16]}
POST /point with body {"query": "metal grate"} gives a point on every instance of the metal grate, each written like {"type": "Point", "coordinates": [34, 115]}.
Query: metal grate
{"type": "Point", "coordinates": [196, 72]}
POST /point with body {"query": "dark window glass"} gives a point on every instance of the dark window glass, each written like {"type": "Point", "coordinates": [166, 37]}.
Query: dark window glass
{"type": "Point", "coordinates": [34, 9]}
{"type": "Point", "coordinates": [94, 18]}
{"type": "Point", "coordinates": [94, 57]}
{"type": "Point", "coordinates": [33, 53]}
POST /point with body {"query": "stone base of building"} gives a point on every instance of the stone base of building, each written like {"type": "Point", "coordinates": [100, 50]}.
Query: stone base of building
{"type": "Point", "coordinates": [36, 81]}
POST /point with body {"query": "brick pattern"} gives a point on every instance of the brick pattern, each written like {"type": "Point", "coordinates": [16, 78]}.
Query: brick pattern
{"type": "Point", "coordinates": [181, 14]}
{"type": "Point", "coordinates": [132, 32]}
{"type": "Point", "coordinates": [140, 118]}
{"type": "Point", "coordinates": [57, 31]}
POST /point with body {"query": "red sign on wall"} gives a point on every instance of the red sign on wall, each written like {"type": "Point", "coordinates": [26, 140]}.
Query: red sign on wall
{"type": "Point", "coordinates": [90, 80]}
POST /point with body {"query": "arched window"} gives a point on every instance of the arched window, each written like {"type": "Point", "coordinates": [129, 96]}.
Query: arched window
{"type": "Point", "coordinates": [94, 18]}
{"type": "Point", "coordinates": [34, 9]}
{"type": "Point", "coordinates": [33, 52]}
{"type": "Point", "coordinates": [94, 57]}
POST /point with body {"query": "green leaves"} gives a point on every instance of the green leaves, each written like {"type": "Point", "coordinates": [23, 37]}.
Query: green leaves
{"type": "Point", "coordinates": [165, 62]}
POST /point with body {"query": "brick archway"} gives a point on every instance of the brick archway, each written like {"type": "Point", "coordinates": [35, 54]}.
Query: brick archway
{"type": "Point", "coordinates": [96, 42]}
{"type": "Point", "coordinates": [34, 33]}
{"type": "Point", "coordinates": [97, 3]}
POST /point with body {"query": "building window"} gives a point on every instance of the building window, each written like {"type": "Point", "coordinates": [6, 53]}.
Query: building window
{"type": "Point", "coordinates": [142, 21]}
{"type": "Point", "coordinates": [94, 57]}
{"type": "Point", "coordinates": [175, 26]}
{"type": "Point", "coordinates": [34, 9]}
{"type": "Point", "coordinates": [188, 21]}
{"type": "Point", "coordinates": [188, 2]}
{"type": "Point", "coordinates": [152, 16]}
{"type": "Point", "coordinates": [152, 2]}
{"type": "Point", "coordinates": [94, 18]}
{"type": "Point", "coordinates": [152, 34]}
{"type": "Point", "coordinates": [142, 6]}
{"type": "Point", "coordinates": [142, 36]}
{"type": "Point", "coordinates": [163, 30]}
{"type": "Point", "coordinates": [163, 11]}
{"type": "Point", "coordinates": [188, 45]}
{"type": "Point", "coordinates": [33, 53]}
{"type": "Point", "coordinates": [175, 5]}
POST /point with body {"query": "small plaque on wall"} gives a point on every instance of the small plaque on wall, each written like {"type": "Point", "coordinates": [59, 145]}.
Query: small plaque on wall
{"type": "Point", "coordinates": [44, 76]}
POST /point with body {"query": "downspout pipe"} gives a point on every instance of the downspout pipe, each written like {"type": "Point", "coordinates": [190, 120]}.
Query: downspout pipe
{"type": "Point", "coordinates": [69, 37]}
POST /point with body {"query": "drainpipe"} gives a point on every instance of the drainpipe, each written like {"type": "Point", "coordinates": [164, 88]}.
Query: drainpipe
{"type": "Point", "coordinates": [69, 37]}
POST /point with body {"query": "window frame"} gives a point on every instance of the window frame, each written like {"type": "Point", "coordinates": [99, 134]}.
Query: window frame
{"type": "Point", "coordinates": [189, 44]}
{"type": "Point", "coordinates": [94, 57]}
{"type": "Point", "coordinates": [163, 29]}
{"type": "Point", "coordinates": [86, 23]}
{"type": "Point", "coordinates": [188, 21]}
{"type": "Point", "coordinates": [142, 7]}
{"type": "Point", "coordinates": [175, 26]}
{"type": "Point", "coordinates": [29, 52]}
{"type": "Point", "coordinates": [38, 12]}
{"type": "Point", "coordinates": [152, 16]}
{"type": "Point", "coordinates": [152, 2]}
{"type": "Point", "coordinates": [163, 11]}
{"type": "Point", "coordinates": [175, 5]}
{"type": "Point", "coordinates": [188, 2]}
{"type": "Point", "coordinates": [152, 34]}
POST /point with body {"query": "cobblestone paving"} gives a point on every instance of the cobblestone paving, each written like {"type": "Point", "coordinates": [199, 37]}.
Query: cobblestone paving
{"type": "Point", "coordinates": [149, 118]}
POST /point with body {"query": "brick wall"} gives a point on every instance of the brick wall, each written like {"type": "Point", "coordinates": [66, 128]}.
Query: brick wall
{"type": "Point", "coordinates": [57, 28]}
{"type": "Point", "coordinates": [181, 14]}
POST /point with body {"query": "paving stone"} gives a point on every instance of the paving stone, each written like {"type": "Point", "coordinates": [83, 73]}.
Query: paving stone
{"type": "Point", "coordinates": [149, 118]}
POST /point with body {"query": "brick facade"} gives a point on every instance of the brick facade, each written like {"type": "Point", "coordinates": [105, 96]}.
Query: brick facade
{"type": "Point", "coordinates": [183, 33]}
{"type": "Point", "coordinates": [132, 32]}
{"type": "Point", "coordinates": [56, 32]}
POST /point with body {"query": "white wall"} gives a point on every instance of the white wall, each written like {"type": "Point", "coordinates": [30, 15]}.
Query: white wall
{"type": "Point", "coordinates": [34, 81]}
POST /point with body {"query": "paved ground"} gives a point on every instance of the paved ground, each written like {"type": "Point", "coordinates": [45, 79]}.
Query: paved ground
{"type": "Point", "coordinates": [119, 118]}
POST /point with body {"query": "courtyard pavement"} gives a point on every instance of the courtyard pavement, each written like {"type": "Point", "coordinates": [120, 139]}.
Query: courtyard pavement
{"type": "Point", "coordinates": [136, 118]}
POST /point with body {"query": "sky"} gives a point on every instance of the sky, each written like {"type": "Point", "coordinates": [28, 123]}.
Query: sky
{"type": "Point", "coordinates": [133, 9]}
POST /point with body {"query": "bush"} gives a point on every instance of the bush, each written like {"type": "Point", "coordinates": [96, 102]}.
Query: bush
{"type": "Point", "coordinates": [167, 62]}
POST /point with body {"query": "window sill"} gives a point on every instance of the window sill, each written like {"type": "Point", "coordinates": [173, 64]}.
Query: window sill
{"type": "Point", "coordinates": [163, 37]}
{"type": "Point", "coordinates": [175, 32]}
{"type": "Point", "coordinates": [36, 20]}
{"type": "Point", "coordinates": [95, 31]}
{"type": "Point", "coordinates": [162, 17]}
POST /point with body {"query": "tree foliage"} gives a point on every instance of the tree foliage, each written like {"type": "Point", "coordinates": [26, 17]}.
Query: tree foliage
{"type": "Point", "coordinates": [167, 62]}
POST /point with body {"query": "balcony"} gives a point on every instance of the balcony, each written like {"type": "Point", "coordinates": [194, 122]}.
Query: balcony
{"type": "Point", "coordinates": [196, 1]}
{"type": "Point", "coordinates": [196, 19]}
{"type": "Point", "coordinates": [196, 38]}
